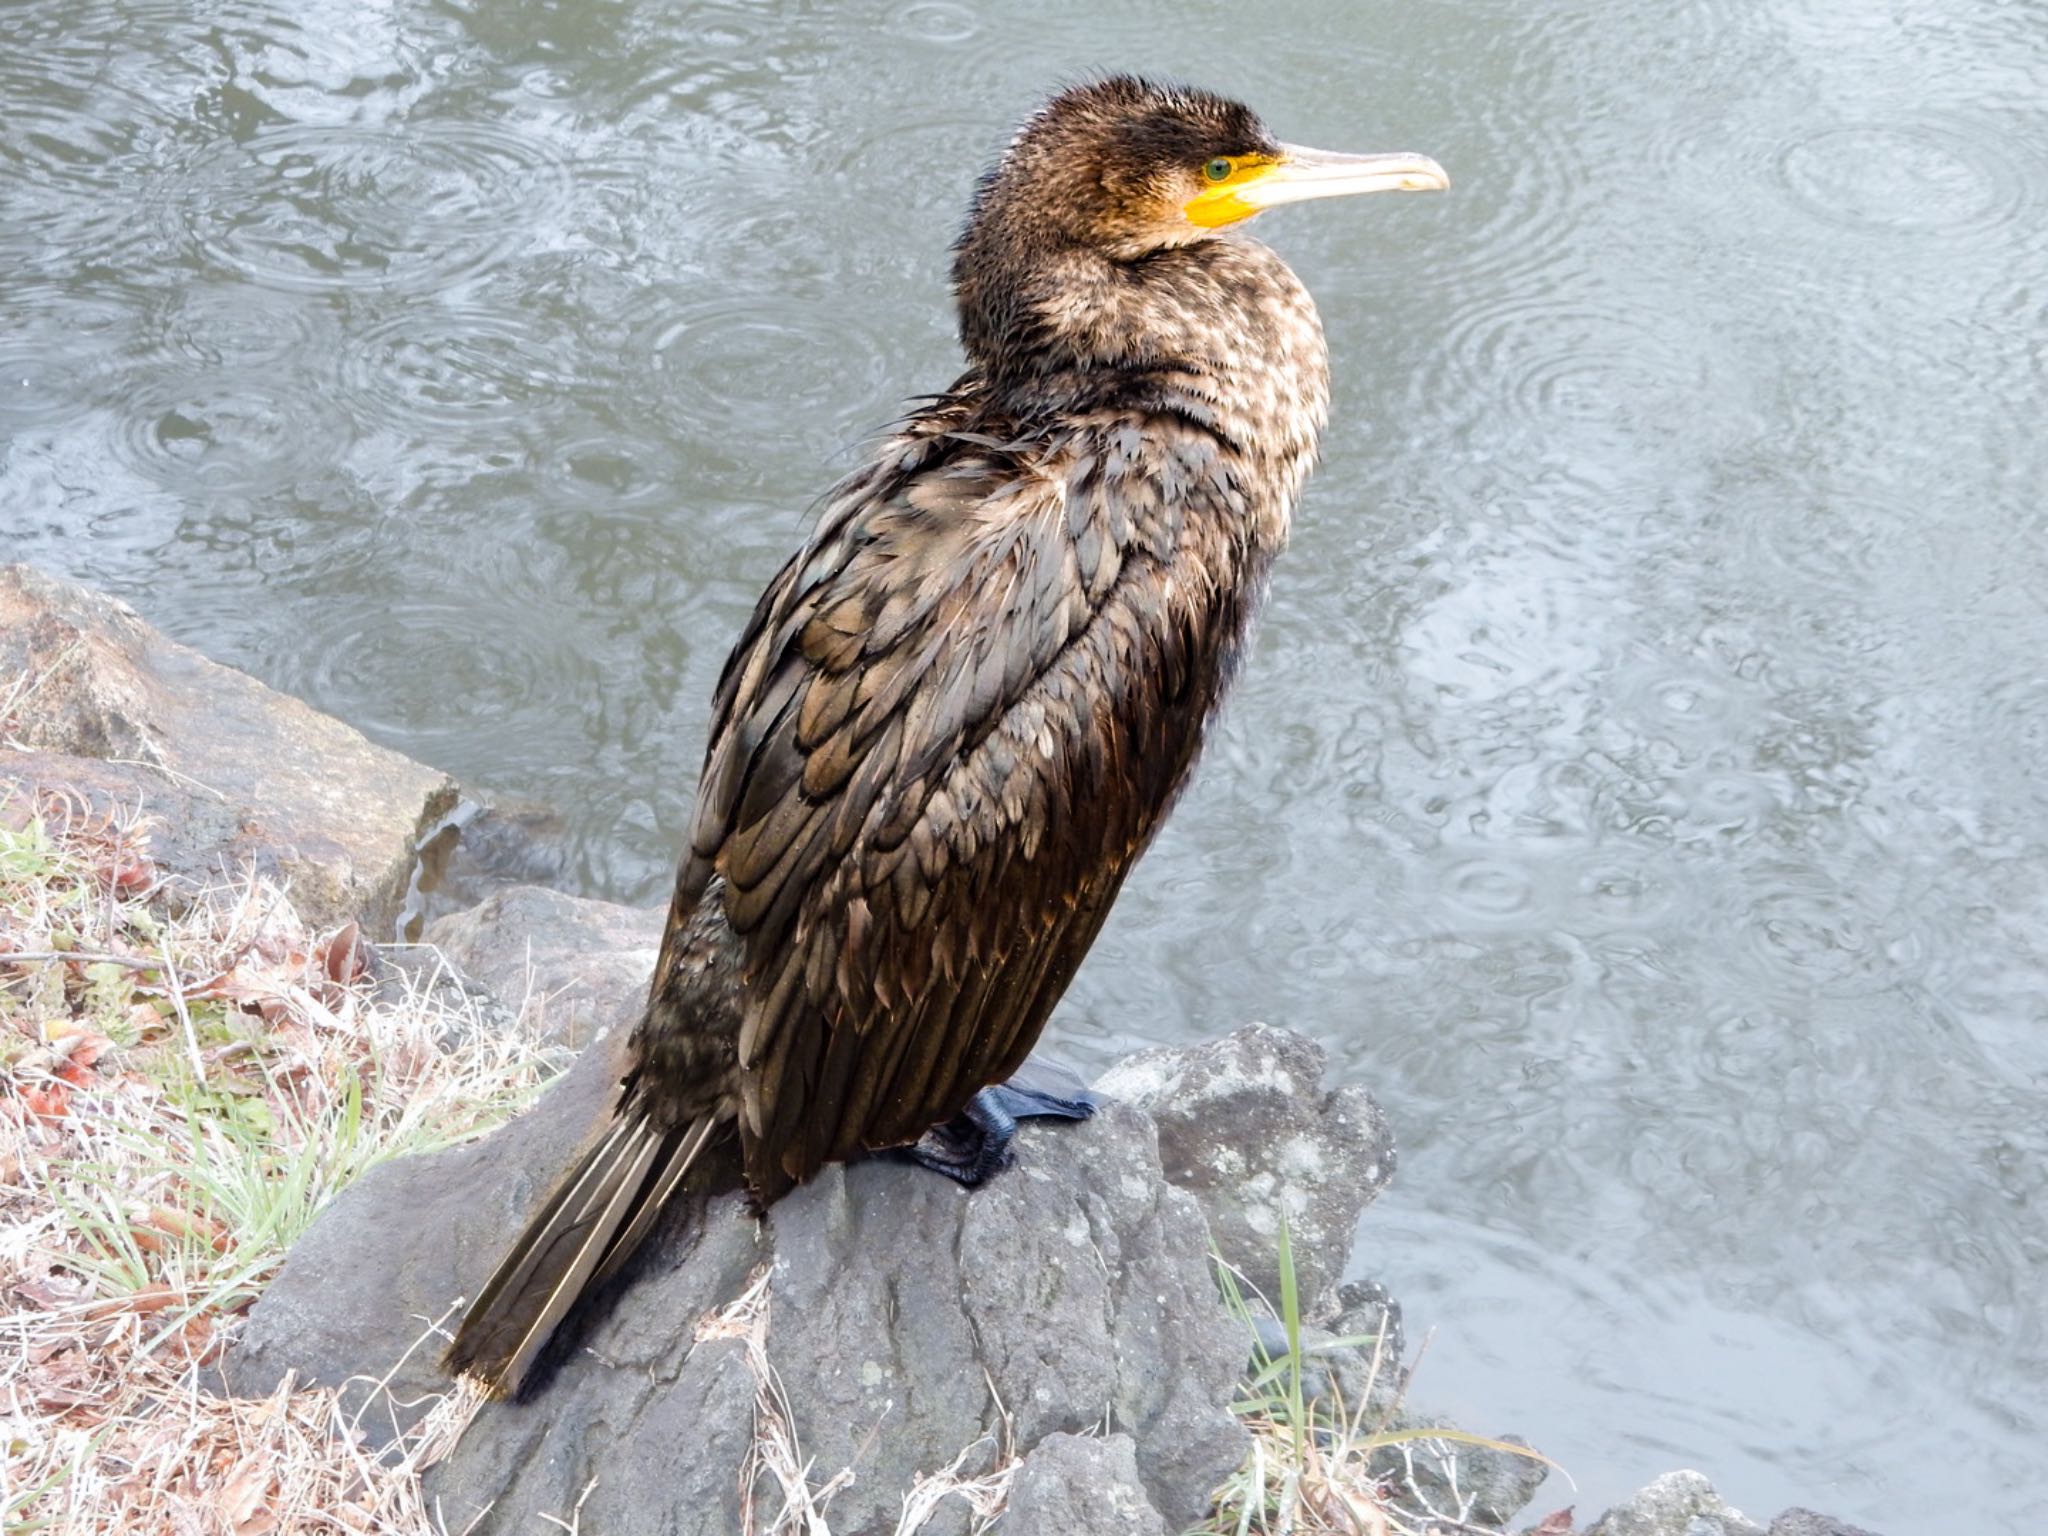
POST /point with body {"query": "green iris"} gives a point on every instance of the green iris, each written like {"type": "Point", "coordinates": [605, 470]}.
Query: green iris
{"type": "Point", "coordinates": [1217, 169]}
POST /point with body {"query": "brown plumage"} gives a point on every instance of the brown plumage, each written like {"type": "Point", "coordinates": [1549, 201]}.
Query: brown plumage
{"type": "Point", "coordinates": [962, 709]}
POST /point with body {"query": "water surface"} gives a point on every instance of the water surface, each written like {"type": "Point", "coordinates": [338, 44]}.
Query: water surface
{"type": "Point", "coordinates": [1635, 782]}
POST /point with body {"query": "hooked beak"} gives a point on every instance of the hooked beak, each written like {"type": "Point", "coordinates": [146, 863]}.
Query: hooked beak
{"type": "Point", "coordinates": [1300, 174]}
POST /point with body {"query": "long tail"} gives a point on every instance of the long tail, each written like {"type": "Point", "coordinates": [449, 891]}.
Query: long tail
{"type": "Point", "coordinates": [585, 1231]}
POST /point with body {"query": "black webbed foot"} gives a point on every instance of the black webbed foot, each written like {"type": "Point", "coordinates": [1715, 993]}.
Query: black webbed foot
{"type": "Point", "coordinates": [975, 1143]}
{"type": "Point", "coordinates": [1041, 1090]}
{"type": "Point", "coordinates": [970, 1146]}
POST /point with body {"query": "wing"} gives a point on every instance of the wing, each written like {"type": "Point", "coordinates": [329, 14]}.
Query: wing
{"type": "Point", "coordinates": [956, 719]}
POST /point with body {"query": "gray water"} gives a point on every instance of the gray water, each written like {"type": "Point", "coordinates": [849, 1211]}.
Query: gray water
{"type": "Point", "coordinates": [1635, 779]}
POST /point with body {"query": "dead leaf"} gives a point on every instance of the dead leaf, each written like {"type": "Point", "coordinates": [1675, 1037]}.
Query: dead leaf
{"type": "Point", "coordinates": [345, 957]}
{"type": "Point", "coordinates": [48, 1104]}
{"type": "Point", "coordinates": [170, 1222]}
{"type": "Point", "coordinates": [133, 874]}
{"type": "Point", "coordinates": [61, 1399]}
{"type": "Point", "coordinates": [150, 1298]}
{"type": "Point", "coordinates": [244, 1498]}
{"type": "Point", "coordinates": [202, 1340]}
{"type": "Point", "coordinates": [52, 1293]}
{"type": "Point", "coordinates": [1557, 1523]}
{"type": "Point", "coordinates": [84, 1049]}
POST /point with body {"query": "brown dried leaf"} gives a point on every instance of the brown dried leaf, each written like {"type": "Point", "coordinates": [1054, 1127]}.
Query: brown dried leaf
{"type": "Point", "coordinates": [174, 1223]}
{"type": "Point", "coordinates": [52, 1293]}
{"type": "Point", "coordinates": [346, 954]}
{"type": "Point", "coordinates": [62, 1399]}
{"type": "Point", "coordinates": [244, 1498]}
{"type": "Point", "coordinates": [46, 1104]}
{"type": "Point", "coordinates": [150, 1298]}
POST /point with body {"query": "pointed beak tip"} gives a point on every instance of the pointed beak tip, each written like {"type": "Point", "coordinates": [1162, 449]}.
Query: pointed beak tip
{"type": "Point", "coordinates": [1424, 175]}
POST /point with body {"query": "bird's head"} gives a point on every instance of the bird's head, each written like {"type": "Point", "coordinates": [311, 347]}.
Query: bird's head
{"type": "Point", "coordinates": [1121, 168]}
{"type": "Point", "coordinates": [1129, 166]}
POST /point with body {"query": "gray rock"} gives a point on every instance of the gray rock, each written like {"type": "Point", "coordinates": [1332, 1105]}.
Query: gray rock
{"type": "Point", "coordinates": [907, 1319]}
{"type": "Point", "coordinates": [1076, 1485]}
{"type": "Point", "coordinates": [1474, 1484]}
{"type": "Point", "coordinates": [479, 848]}
{"type": "Point", "coordinates": [1366, 1309]}
{"type": "Point", "coordinates": [363, 1290]}
{"type": "Point", "coordinates": [585, 963]}
{"type": "Point", "coordinates": [240, 775]}
{"type": "Point", "coordinates": [1247, 1127]}
{"type": "Point", "coordinates": [1676, 1504]}
{"type": "Point", "coordinates": [1804, 1522]}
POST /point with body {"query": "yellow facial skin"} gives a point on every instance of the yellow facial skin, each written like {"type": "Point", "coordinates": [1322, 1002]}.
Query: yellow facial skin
{"type": "Point", "coordinates": [1218, 202]}
{"type": "Point", "coordinates": [1255, 183]}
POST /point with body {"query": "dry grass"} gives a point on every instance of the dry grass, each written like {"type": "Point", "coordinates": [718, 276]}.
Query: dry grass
{"type": "Point", "coordinates": [775, 1482]}
{"type": "Point", "coordinates": [179, 1097]}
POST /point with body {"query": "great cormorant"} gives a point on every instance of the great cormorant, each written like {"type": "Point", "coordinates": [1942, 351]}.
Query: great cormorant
{"type": "Point", "coordinates": [963, 708]}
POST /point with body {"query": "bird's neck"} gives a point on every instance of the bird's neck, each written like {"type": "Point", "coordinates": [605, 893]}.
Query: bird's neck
{"type": "Point", "coordinates": [1223, 325]}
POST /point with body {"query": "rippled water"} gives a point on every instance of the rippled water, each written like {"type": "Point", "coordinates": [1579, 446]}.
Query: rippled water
{"type": "Point", "coordinates": [1636, 778]}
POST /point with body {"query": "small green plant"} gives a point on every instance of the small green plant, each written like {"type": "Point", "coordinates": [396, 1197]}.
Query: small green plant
{"type": "Point", "coordinates": [1319, 1464]}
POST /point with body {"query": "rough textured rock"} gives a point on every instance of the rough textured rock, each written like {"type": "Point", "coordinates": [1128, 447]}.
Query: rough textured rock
{"type": "Point", "coordinates": [1473, 1484]}
{"type": "Point", "coordinates": [1076, 1286]}
{"type": "Point", "coordinates": [1246, 1126]}
{"type": "Point", "coordinates": [1080, 1486]}
{"type": "Point", "coordinates": [239, 774]}
{"type": "Point", "coordinates": [482, 847]}
{"type": "Point", "coordinates": [1366, 1309]}
{"type": "Point", "coordinates": [585, 963]}
{"type": "Point", "coordinates": [1804, 1522]}
{"type": "Point", "coordinates": [1676, 1504]}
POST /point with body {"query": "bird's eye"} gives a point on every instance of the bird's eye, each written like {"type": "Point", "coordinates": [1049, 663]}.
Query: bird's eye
{"type": "Point", "coordinates": [1217, 169]}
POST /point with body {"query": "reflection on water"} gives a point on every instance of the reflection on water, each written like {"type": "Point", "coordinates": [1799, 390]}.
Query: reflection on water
{"type": "Point", "coordinates": [1636, 780]}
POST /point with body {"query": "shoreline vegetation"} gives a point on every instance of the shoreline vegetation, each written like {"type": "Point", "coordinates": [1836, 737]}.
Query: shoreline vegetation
{"type": "Point", "coordinates": [184, 1093]}
{"type": "Point", "coordinates": [200, 1050]}
{"type": "Point", "coordinates": [180, 1095]}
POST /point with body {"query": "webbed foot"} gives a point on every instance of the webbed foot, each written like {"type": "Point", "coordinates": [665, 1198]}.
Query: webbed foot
{"type": "Point", "coordinates": [975, 1143]}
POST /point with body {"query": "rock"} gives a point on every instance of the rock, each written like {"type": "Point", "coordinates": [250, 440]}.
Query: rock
{"type": "Point", "coordinates": [1474, 1484]}
{"type": "Point", "coordinates": [1676, 1504]}
{"type": "Point", "coordinates": [1804, 1522]}
{"type": "Point", "coordinates": [239, 775]}
{"type": "Point", "coordinates": [434, 1225]}
{"type": "Point", "coordinates": [1247, 1128]}
{"type": "Point", "coordinates": [480, 848]}
{"type": "Point", "coordinates": [1079, 1486]}
{"type": "Point", "coordinates": [906, 1318]}
{"type": "Point", "coordinates": [1366, 1309]}
{"type": "Point", "coordinates": [586, 963]}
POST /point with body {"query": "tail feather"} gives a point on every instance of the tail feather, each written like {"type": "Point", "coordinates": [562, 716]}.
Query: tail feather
{"type": "Point", "coordinates": [667, 1175]}
{"type": "Point", "coordinates": [583, 1233]}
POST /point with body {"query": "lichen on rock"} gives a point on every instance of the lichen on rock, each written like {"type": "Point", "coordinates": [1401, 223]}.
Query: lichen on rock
{"type": "Point", "coordinates": [1247, 1125]}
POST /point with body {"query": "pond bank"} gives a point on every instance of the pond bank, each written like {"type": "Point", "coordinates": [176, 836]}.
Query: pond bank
{"type": "Point", "coordinates": [1055, 1341]}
